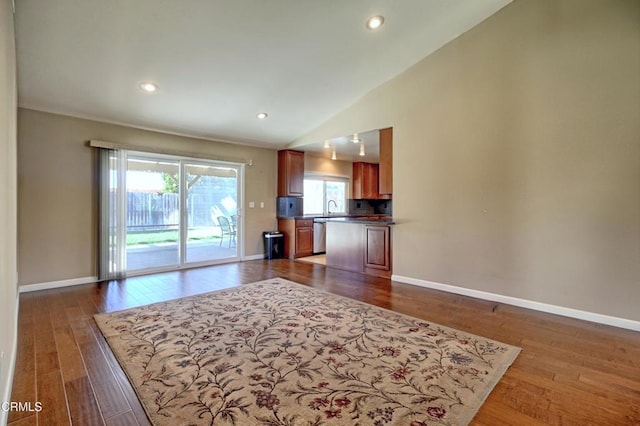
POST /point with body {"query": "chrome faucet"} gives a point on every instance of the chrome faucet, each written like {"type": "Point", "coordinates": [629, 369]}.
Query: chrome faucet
{"type": "Point", "coordinates": [329, 205]}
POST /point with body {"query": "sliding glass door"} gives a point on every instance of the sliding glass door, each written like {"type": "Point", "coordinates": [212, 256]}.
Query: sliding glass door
{"type": "Point", "coordinates": [164, 212]}
{"type": "Point", "coordinates": [153, 213]}
{"type": "Point", "coordinates": [211, 212]}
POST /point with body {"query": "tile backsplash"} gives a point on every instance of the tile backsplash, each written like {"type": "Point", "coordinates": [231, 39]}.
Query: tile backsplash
{"type": "Point", "coordinates": [370, 207]}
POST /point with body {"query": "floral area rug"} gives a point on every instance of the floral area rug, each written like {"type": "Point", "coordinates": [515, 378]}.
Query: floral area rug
{"type": "Point", "coordinates": [280, 353]}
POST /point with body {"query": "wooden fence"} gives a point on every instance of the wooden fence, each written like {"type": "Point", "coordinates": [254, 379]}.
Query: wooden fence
{"type": "Point", "coordinates": [146, 211]}
{"type": "Point", "coordinates": [156, 211]}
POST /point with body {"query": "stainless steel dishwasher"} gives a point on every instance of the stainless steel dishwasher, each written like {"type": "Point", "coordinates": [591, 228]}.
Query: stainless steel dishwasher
{"type": "Point", "coordinates": [319, 236]}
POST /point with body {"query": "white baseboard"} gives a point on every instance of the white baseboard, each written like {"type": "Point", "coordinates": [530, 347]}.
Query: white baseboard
{"type": "Point", "coordinates": [6, 394]}
{"type": "Point", "coordinates": [88, 280]}
{"type": "Point", "coordinates": [523, 303]}
{"type": "Point", "coordinates": [253, 257]}
{"type": "Point", "coordinates": [56, 284]}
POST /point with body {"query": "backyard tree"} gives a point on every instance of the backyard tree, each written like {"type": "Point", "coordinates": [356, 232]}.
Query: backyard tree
{"type": "Point", "coordinates": [170, 183]}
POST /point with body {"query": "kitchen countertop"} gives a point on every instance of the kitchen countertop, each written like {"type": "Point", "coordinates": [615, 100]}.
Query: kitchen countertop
{"type": "Point", "coordinates": [376, 219]}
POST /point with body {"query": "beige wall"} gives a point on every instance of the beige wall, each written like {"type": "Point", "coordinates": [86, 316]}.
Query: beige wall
{"type": "Point", "coordinates": [326, 166]}
{"type": "Point", "coordinates": [517, 156]}
{"type": "Point", "coordinates": [57, 198]}
{"type": "Point", "coordinates": [8, 221]}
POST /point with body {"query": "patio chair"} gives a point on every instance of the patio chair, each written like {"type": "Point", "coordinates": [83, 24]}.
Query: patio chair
{"type": "Point", "coordinates": [227, 229]}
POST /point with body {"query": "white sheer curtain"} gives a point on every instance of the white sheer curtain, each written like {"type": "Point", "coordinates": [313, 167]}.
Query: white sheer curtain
{"type": "Point", "coordinates": [112, 255]}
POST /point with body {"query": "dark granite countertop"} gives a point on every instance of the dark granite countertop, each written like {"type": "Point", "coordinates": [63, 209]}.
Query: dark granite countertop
{"type": "Point", "coordinates": [375, 219]}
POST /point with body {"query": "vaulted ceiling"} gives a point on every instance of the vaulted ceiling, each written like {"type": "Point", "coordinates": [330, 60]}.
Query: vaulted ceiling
{"type": "Point", "coordinates": [218, 63]}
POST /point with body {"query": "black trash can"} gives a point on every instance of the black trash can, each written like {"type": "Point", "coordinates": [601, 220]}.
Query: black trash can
{"type": "Point", "coordinates": [273, 245]}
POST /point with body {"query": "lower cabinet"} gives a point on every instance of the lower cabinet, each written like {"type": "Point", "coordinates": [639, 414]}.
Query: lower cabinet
{"type": "Point", "coordinates": [360, 248]}
{"type": "Point", "coordinates": [298, 237]}
{"type": "Point", "coordinates": [304, 240]}
{"type": "Point", "coordinates": [377, 248]}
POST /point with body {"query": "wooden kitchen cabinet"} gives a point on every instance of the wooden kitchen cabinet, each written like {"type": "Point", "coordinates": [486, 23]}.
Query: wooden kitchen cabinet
{"type": "Point", "coordinates": [359, 247]}
{"type": "Point", "coordinates": [385, 168]}
{"type": "Point", "coordinates": [304, 241]}
{"type": "Point", "coordinates": [365, 181]}
{"type": "Point", "coordinates": [298, 237]}
{"type": "Point", "coordinates": [290, 173]}
{"type": "Point", "coordinates": [377, 254]}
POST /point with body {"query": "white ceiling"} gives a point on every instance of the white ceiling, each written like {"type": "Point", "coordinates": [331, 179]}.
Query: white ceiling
{"type": "Point", "coordinates": [346, 149]}
{"type": "Point", "coordinates": [220, 62]}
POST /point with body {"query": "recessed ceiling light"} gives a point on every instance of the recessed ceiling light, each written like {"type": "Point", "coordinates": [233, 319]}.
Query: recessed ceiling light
{"type": "Point", "coordinates": [262, 115]}
{"type": "Point", "coordinates": [149, 87]}
{"type": "Point", "coordinates": [375, 22]}
{"type": "Point", "coordinates": [355, 138]}
{"type": "Point", "coordinates": [326, 144]}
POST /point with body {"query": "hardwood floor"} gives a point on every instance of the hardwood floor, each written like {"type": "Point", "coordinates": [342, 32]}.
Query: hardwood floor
{"type": "Point", "coordinates": [570, 372]}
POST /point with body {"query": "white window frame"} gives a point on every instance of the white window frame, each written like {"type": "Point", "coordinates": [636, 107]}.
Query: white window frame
{"type": "Point", "coordinates": [330, 178]}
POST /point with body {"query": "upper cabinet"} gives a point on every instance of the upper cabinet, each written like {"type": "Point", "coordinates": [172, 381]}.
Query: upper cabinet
{"type": "Point", "coordinates": [375, 181]}
{"type": "Point", "coordinates": [385, 170]}
{"type": "Point", "coordinates": [290, 173]}
{"type": "Point", "coordinates": [365, 181]}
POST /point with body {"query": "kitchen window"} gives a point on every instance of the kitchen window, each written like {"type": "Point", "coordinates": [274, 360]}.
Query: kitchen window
{"type": "Point", "coordinates": [324, 194]}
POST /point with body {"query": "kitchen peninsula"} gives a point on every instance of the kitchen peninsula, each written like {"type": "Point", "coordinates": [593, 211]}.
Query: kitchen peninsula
{"type": "Point", "coordinates": [360, 244]}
